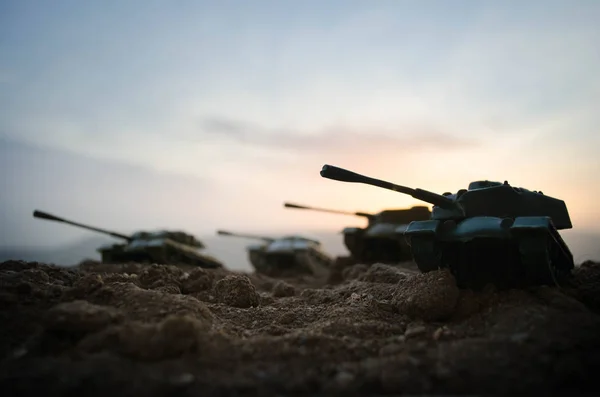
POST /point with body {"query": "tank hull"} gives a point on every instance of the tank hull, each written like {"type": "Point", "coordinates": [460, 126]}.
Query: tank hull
{"type": "Point", "coordinates": [289, 262]}
{"type": "Point", "coordinates": [380, 242]}
{"type": "Point", "coordinates": [490, 250]}
{"type": "Point", "coordinates": [161, 251]}
{"type": "Point", "coordinates": [369, 248]}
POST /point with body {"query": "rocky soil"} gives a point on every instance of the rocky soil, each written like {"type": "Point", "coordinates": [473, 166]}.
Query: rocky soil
{"type": "Point", "coordinates": [135, 330]}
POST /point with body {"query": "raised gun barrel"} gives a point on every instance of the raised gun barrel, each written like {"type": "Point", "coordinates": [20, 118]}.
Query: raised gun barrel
{"type": "Point", "coordinates": [340, 174]}
{"type": "Point", "coordinates": [304, 207]}
{"type": "Point", "coordinates": [253, 236]}
{"type": "Point", "coordinates": [50, 217]}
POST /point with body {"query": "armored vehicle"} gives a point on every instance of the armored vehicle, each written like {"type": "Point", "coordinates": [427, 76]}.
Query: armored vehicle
{"type": "Point", "coordinates": [287, 255]}
{"type": "Point", "coordinates": [491, 232]}
{"type": "Point", "coordinates": [161, 247]}
{"type": "Point", "coordinates": [378, 242]}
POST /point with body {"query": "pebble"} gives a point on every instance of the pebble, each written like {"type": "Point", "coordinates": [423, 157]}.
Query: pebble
{"type": "Point", "coordinates": [390, 350]}
{"type": "Point", "coordinates": [520, 337]}
{"type": "Point", "coordinates": [344, 378]}
{"type": "Point", "coordinates": [415, 330]}
{"type": "Point", "coordinates": [183, 379]}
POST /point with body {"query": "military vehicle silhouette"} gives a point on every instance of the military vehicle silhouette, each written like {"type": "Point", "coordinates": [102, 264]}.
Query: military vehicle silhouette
{"type": "Point", "coordinates": [161, 246]}
{"type": "Point", "coordinates": [378, 242]}
{"type": "Point", "coordinates": [491, 232]}
{"type": "Point", "coordinates": [286, 255]}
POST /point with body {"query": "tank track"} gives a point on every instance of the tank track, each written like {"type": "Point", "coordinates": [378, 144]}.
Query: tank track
{"type": "Point", "coordinates": [529, 259]}
{"type": "Point", "coordinates": [383, 250]}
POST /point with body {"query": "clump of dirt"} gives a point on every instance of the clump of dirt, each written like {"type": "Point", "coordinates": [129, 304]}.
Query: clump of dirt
{"type": "Point", "coordinates": [236, 291]}
{"type": "Point", "coordinates": [379, 273]}
{"type": "Point", "coordinates": [282, 289]}
{"type": "Point", "coordinates": [354, 272]}
{"type": "Point", "coordinates": [162, 330]}
{"type": "Point", "coordinates": [80, 317]}
{"type": "Point", "coordinates": [175, 336]}
{"type": "Point", "coordinates": [431, 296]}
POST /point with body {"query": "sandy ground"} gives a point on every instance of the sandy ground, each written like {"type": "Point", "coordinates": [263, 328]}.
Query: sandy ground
{"type": "Point", "coordinates": [161, 330]}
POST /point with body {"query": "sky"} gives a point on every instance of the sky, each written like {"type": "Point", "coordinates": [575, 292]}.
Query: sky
{"type": "Point", "coordinates": [210, 114]}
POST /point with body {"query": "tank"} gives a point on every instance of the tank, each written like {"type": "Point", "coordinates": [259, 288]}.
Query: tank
{"type": "Point", "coordinates": [286, 255]}
{"type": "Point", "coordinates": [489, 233]}
{"type": "Point", "coordinates": [378, 242]}
{"type": "Point", "coordinates": [161, 246]}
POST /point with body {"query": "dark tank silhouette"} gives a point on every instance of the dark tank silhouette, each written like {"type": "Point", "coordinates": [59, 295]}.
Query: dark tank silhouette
{"type": "Point", "coordinates": [160, 246]}
{"type": "Point", "coordinates": [286, 255]}
{"type": "Point", "coordinates": [378, 242]}
{"type": "Point", "coordinates": [491, 232]}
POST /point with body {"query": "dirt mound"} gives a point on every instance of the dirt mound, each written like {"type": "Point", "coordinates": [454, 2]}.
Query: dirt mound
{"type": "Point", "coordinates": [163, 330]}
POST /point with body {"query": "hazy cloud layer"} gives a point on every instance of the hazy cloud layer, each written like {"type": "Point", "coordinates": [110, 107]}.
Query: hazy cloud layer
{"type": "Point", "coordinates": [341, 138]}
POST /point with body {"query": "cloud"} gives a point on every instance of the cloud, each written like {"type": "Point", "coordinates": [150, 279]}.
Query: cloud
{"type": "Point", "coordinates": [407, 139]}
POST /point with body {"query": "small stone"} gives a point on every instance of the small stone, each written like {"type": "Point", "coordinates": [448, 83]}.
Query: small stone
{"type": "Point", "coordinates": [385, 306]}
{"type": "Point", "coordinates": [20, 352]}
{"type": "Point", "coordinates": [390, 350]}
{"type": "Point", "coordinates": [182, 379]}
{"type": "Point", "coordinates": [184, 276]}
{"type": "Point", "coordinates": [519, 337]}
{"type": "Point", "coordinates": [438, 333]}
{"type": "Point", "coordinates": [282, 289]}
{"type": "Point", "coordinates": [344, 378]}
{"type": "Point", "coordinates": [415, 331]}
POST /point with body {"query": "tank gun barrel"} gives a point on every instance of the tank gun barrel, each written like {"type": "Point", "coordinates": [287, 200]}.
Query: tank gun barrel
{"type": "Point", "coordinates": [226, 233]}
{"type": "Point", "coordinates": [343, 175]}
{"type": "Point", "coordinates": [50, 217]}
{"type": "Point", "coordinates": [304, 207]}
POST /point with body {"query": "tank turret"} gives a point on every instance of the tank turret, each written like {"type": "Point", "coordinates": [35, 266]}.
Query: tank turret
{"type": "Point", "coordinates": [161, 246]}
{"type": "Point", "coordinates": [482, 198]}
{"type": "Point", "coordinates": [513, 227]}
{"type": "Point", "coordinates": [340, 174]}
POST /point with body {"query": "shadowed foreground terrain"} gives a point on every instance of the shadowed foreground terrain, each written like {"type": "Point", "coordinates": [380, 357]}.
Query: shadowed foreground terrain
{"type": "Point", "coordinates": [130, 330]}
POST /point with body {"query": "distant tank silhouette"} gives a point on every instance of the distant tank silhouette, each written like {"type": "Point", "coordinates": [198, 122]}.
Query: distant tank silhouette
{"type": "Point", "coordinates": [491, 232]}
{"type": "Point", "coordinates": [286, 255]}
{"type": "Point", "coordinates": [161, 246]}
{"type": "Point", "coordinates": [378, 242]}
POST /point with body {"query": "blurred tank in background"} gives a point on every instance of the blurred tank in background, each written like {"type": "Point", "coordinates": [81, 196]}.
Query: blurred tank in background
{"type": "Point", "coordinates": [286, 255]}
{"type": "Point", "coordinates": [378, 242]}
{"type": "Point", "coordinates": [147, 247]}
